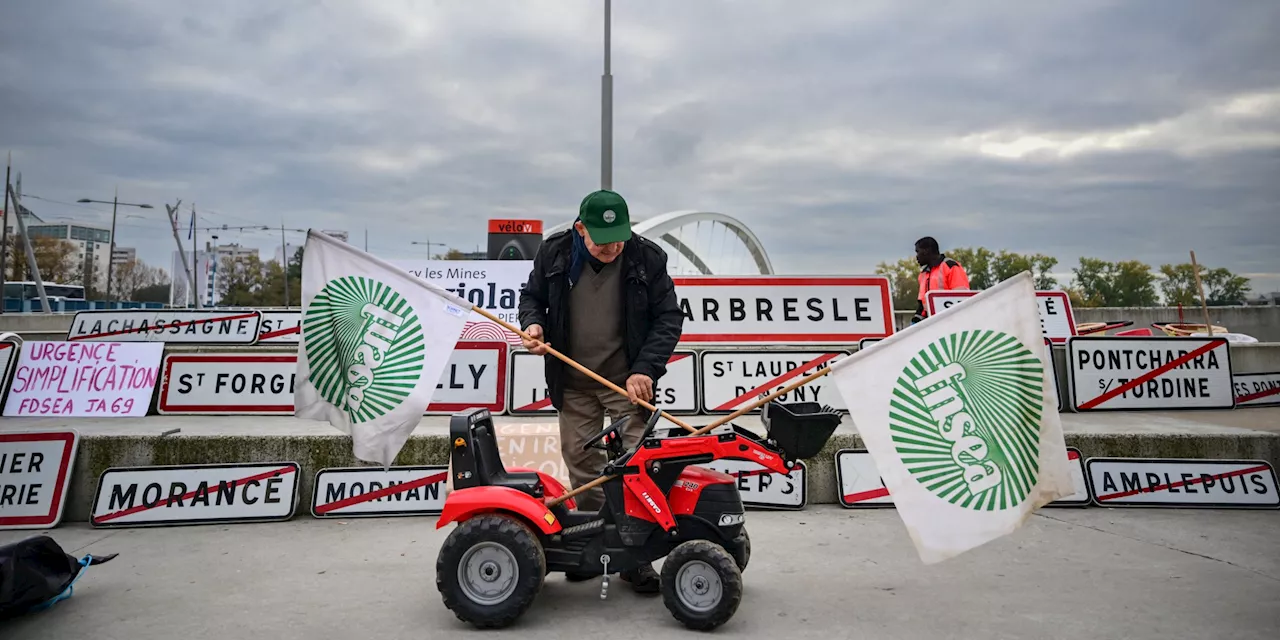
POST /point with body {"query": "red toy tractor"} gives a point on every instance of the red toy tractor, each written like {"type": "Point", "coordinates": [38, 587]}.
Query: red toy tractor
{"type": "Point", "coordinates": [658, 504]}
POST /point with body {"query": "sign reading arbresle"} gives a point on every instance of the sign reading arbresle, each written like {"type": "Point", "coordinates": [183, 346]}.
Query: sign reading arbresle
{"type": "Point", "coordinates": [35, 472]}
{"type": "Point", "coordinates": [760, 310]}
{"type": "Point", "coordinates": [675, 392]}
{"type": "Point", "coordinates": [196, 494]}
{"type": "Point", "coordinates": [1126, 373]}
{"type": "Point", "coordinates": [187, 326]}
{"type": "Point", "coordinates": [1187, 483]}
{"type": "Point", "coordinates": [371, 492]}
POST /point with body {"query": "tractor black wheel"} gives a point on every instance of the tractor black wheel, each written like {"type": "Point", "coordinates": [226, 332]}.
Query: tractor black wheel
{"type": "Point", "coordinates": [490, 569]}
{"type": "Point", "coordinates": [742, 554]}
{"type": "Point", "coordinates": [701, 585]}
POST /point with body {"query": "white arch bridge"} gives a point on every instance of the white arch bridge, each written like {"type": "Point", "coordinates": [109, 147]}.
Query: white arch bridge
{"type": "Point", "coordinates": [701, 243]}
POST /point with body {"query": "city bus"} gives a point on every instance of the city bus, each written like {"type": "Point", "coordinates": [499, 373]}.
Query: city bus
{"type": "Point", "coordinates": [26, 290]}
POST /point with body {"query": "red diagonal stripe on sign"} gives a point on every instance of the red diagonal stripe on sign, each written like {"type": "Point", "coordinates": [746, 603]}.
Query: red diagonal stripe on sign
{"type": "Point", "coordinates": [546, 402]}
{"type": "Point", "coordinates": [867, 495]}
{"type": "Point", "coordinates": [1255, 396]}
{"type": "Point", "coordinates": [383, 492]}
{"type": "Point", "coordinates": [167, 326]}
{"type": "Point", "coordinates": [794, 373]}
{"type": "Point", "coordinates": [1182, 483]}
{"type": "Point", "coordinates": [1169, 366]}
{"type": "Point", "coordinates": [189, 495]}
{"type": "Point", "coordinates": [277, 333]}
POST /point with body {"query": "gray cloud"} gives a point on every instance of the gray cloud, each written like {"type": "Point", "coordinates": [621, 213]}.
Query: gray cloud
{"type": "Point", "coordinates": [839, 132]}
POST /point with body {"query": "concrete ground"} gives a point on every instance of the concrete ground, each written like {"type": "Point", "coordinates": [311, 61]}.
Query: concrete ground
{"type": "Point", "coordinates": [822, 573]}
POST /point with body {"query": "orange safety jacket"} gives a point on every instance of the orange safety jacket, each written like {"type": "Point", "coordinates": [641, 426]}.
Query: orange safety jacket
{"type": "Point", "coordinates": [947, 276]}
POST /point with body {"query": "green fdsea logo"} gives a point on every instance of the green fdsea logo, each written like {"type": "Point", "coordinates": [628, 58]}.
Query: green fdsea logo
{"type": "Point", "coordinates": [965, 418]}
{"type": "Point", "coordinates": [364, 346]}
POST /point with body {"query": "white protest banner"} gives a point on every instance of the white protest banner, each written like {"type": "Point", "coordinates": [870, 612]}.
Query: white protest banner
{"type": "Point", "coordinates": [175, 326]}
{"type": "Point", "coordinates": [676, 392]}
{"type": "Point", "coordinates": [764, 489]}
{"type": "Point", "coordinates": [375, 341]}
{"type": "Point", "coordinates": [533, 446]}
{"type": "Point", "coordinates": [956, 411]}
{"type": "Point", "coordinates": [35, 473]}
{"type": "Point", "coordinates": [280, 327]}
{"type": "Point", "coordinates": [1128, 373]}
{"type": "Point", "coordinates": [492, 285]}
{"type": "Point", "coordinates": [356, 492]}
{"type": "Point", "coordinates": [476, 376]}
{"type": "Point", "coordinates": [228, 383]}
{"type": "Point", "coordinates": [78, 379]}
{"type": "Point", "coordinates": [195, 494]}
{"type": "Point", "coordinates": [733, 379]}
{"type": "Point", "coordinates": [1056, 317]}
{"type": "Point", "coordinates": [779, 310]}
{"type": "Point", "coordinates": [1257, 389]}
{"type": "Point", "coordinates": [1185, 483]}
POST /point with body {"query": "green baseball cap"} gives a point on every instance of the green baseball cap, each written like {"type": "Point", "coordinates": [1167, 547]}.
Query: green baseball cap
{"type": "Point", "coordinates": [604, 214]}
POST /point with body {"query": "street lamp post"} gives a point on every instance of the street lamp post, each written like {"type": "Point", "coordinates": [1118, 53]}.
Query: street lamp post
{"type": "Point", "coordinates": [606, 105]}
{"type": "Point", "coordinates": [429, 244]}
{"type": "Point", "coordinates": [115, 203]}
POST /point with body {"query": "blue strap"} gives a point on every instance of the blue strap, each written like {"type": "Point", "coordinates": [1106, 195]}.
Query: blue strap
{"type": "Point", "coordinates": [66, 593]}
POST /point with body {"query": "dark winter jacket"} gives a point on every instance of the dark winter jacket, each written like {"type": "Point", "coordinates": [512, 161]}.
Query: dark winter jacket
{"type": "Point", "coordinates": [651, 308]}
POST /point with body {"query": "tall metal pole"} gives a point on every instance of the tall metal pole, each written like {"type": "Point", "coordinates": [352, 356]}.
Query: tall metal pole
{"type": "Point", "coordinates": [111, 258]}
{"type": "Point", "coordinates": [284, 253]}
{"type": "Point", "coordinates": [186, 270]}
{"type": "Point", "coordinates": [606, 106]}
{"type": "Point", "coordinates": [195, 260]}
{"type": "Point", "coordinates": [31, 254]}
{"type": "Point", "coordinates": [4, 229]}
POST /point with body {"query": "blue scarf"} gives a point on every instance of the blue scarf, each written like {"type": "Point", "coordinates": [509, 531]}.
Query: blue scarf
{"type": "Point", "coordinates": [578, 257]}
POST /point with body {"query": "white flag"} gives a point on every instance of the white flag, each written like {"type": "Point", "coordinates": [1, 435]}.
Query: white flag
{"type": "Point", "coordinates": [961, 420]}
{"type": "Point", "coordinates": [374, 343]}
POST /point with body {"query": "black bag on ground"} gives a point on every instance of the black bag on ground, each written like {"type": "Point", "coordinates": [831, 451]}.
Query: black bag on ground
{"type": "Point", "coordinates": [36, 570]}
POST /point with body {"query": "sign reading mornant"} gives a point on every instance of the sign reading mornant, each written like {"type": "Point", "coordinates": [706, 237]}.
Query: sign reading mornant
{"type": "Point", "coordinates": [76, 379]}
{"type": "Point", "coordinates": [1056, 318]}
{"type": "Point", "coordinates": [778, 310]}
{"type": "Point", "coordinates": [372, 492]}
{"type": "Point", "coordinates": [733, 379]}
{"type": "Point", "coordinates": [765, 489]}
{"type": "Point", "coordinates": [675, 392]}
{"type": "Point", "coordinates": [35, 472]}
{"type": "Point", "coordinates": [1188, 483]}
{"type": "Point", "coordinates": [184, 326]}
{"type": "Point", "coordinates": [196, 494]}
{"type": "Point", "coordinates": [1126, 373]}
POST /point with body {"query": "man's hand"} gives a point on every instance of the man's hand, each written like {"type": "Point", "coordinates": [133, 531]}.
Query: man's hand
{"type": "Point", "coordinates": [535, 346]}
{"type": "Point", "coordinates": [639, 388]}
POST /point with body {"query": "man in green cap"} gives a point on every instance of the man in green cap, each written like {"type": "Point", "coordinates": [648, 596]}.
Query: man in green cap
{"type": "Point", "coordinates": [601, 295]}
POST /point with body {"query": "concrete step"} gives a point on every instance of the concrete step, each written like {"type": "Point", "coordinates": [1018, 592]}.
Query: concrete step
{"type": "Point", "coordinates": [1252, 434]}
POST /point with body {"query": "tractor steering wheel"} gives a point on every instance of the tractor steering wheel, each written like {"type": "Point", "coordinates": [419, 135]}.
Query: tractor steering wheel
{"type": "Point", "coordinates": [615, 429]}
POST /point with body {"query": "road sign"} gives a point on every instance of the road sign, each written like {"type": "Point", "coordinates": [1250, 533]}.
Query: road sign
{"type": "Point", "coordinates": [764, 310]}
{"type": "Point", "coordinates": [1051, 372]}
{"type": "Point", "coordinates": [372, 492]}
{"type": "Point", "coordinates": [1187, 483]}
{"type": "Point", "coordinates": [9, 350]}
{"type": "Point", "coordinates": [280, 327]}
{"type": "Point", "coordinates": [1257, 389]}
{"type": "Point", "coordinates": [228, 383]}
{"type": "Point", "coordinates": [1128, 373]}
{"type": "Point", "coordinates": [196, 494]}
{"type": "Point", "coordinates": [84, 379]}
{"type": "Point", "coordinates": [174, 326]}
{"type": "Point", "coordinates": [476, 376]}
{"type": "Point", "coordinates": [734, 379]}
{"type": "Point", "coordinates": [1055, 310]}
{"type": "Point", "coordinates": [675, 392]}
{"type": "Point", "coordinates": [35, 473]}
{"type": "Point", "coordinates": [764, 489]}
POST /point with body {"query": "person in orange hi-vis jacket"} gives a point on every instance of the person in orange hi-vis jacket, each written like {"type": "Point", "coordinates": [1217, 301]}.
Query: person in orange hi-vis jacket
{"type": "Point", "coordinates": [937, 273]}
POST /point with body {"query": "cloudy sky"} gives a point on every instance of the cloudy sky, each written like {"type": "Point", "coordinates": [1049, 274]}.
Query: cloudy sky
{"type": "Point", "coordinates": [838, 131]}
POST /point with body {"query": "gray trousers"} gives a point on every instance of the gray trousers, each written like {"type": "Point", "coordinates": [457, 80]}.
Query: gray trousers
{"type": "Point", "coordinates": [582, 418]}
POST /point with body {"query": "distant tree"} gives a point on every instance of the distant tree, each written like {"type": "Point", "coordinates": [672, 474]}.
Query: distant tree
{"type": "Point", "coordinates": [976, 263]}
{"type": "Point", "coordinates": [53, 258]}
{"type": "Point", "coordinates": [240, 281]}
{"type": "Point", "coordinates": [1221, 286]}
{"type": "Point", "coordinates": [454, 254]}
{"type": "Point", "coordinates": [1008, 264]}
{"type": "Point", "coordinates": [903, 281]}
{"type": "Point", "coordinates": [1099, 283]}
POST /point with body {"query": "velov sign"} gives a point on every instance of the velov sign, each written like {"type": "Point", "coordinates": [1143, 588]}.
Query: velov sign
{"type": "Point", "coordinates": [760, 310]}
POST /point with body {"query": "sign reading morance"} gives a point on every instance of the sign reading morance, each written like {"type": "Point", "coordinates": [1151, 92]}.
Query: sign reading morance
{"type": "Point", "coordinates": [175, 326]}
{"type": "Point", "coordinates": [766, 489]}
{"type": "Point", "coordinates": [196, 494]}
{"type": "Point", "coordinates": [1188, 483]}
{"type": "Point", "coordinates": [35, 472]}
{"type": "Point", "coordinates": [734, 379]}
{"type": "Point", "coordinates": [263, 383]}
{"type": "Point", "coordinates": [76, 379]}
{"type": "Point", "coordinates": [675, 392]}
{"type": "Point", "coordinates": [760, 310]}
{"type": "Point", "coordinates": [357, 492]}
{"type": "Point", "coordinates": [1056, 317]}
{"type": "Point", "coordinates": [1257, 389]}
{"type": "Point", "coordinates": [1127, 373]}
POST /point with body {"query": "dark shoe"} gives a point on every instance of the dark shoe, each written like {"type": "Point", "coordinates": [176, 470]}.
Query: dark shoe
{"type": "Point", "coordinates": [579, 577]}
{"type": "Point", "coordinates": [643, 580]}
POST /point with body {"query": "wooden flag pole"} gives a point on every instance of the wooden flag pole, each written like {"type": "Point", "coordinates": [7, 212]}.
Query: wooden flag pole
{"type": "Point", "coordinates": [1203, 304]}
{"type": "Point", "coordinates": [593, 375]}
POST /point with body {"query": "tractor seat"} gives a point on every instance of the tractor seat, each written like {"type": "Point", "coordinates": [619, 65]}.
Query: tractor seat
{"type": "Point", "coordinates": [491, 470]}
